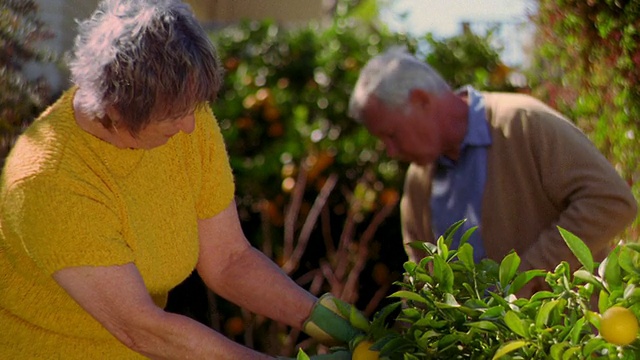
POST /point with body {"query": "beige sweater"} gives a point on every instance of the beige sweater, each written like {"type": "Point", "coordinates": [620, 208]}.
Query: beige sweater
{"type": "Point", "coordinates": [542, 172]}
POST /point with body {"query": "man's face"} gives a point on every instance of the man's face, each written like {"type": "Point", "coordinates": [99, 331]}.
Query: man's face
{"type": "Point", "coordinates": [409, 133]}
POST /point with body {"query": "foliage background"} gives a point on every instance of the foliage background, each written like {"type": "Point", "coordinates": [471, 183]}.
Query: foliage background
{"type": "Point", "coordinates": [586, 63]}
{"type": "Point", "coordinates": [315, 191]}
{"type": "Point", "coordinates": [21, 36]}
{"type": "Point", "coordinates": [283, 115]}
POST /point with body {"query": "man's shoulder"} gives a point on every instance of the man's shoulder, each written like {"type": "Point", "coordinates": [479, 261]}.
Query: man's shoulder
{"type": "Point", "coordinates": [510, 103]}
{"type": "Point", "coordinates": [505, 110]}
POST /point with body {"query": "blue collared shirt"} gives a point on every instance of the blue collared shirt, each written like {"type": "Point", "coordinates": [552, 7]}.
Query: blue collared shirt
{"type": "Point", "coordinates": [457, 188]}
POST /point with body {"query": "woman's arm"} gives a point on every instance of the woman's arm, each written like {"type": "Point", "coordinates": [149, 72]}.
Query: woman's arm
{"type": "Point", "coordinates": [232, 268]}
{"type": "Point", "coordinates": [117, 298]}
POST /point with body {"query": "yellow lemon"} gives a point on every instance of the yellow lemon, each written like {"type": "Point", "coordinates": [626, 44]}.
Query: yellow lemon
{"type": "Point", "coordinates": [362, 351]}
{"type": "Point", "coordinates": [619, 325]}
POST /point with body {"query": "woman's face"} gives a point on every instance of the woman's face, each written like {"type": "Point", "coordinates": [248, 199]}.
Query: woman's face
{"type": "Point", "coordinates": [157, 133]}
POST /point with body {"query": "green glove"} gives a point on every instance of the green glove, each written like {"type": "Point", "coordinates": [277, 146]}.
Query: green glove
{"type": "Point", "coordinates": [332, 321]}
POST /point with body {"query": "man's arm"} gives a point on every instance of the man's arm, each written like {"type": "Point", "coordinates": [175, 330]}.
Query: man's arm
{"type": "Point", "coordinates": [415, 210]}
{"type": "Point", "coordinates": [597, 204]}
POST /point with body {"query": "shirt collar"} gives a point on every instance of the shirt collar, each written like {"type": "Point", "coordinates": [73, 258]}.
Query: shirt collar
{"type": "Point", "coordinates": [478, 129]}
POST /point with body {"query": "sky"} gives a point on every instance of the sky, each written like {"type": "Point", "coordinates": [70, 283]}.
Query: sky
{"type": "Point", "coordinates": [443, 18]}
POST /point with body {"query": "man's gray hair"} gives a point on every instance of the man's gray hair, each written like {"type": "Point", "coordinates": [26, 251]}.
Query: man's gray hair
{"type": "Point", "coordinates": [390, 77]}
{"type": "Point", "coordinates": [147, 58]}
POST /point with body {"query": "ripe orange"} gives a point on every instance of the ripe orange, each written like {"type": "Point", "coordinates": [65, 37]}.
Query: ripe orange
{"type": "Point", "coordinates": [619, 325]}
{"type": "Point", "coordinates": [362, 351]}
{"type": "Point", "coordinates": [234, 326]}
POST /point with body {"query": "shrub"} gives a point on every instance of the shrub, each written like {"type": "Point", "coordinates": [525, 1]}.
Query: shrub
{"type": "Point", "coordinates": [20, 98]}
{"type": "Point", "coordinates": [450, 308]}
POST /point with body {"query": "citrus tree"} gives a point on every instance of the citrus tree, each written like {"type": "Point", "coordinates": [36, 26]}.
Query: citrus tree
{"type": "Point", "coordinates": [449, 307]}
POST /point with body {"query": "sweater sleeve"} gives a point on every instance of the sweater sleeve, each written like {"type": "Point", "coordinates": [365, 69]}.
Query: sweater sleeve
{"type": "Point", "coordinates": [63, 222]}
{"type": "Point", "coordinates": [216, 189]}
{"type": "Point", "coordinates": [415, 215]}
{"type": "Point", "coordinates": [594, 201]}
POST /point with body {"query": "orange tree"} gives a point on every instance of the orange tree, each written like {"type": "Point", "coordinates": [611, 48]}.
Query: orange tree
{"type": "Point", "coordinates": [315, 191]}
{"type": "Point", "coordinates": [586, 63]}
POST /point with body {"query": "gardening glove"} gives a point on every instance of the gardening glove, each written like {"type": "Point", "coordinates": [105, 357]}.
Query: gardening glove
{"type": "Point", "coordinates": [334, 322]}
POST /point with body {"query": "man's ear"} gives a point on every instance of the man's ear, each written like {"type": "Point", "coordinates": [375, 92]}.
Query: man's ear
{"type": "Point", "coordinates": [420, 97]}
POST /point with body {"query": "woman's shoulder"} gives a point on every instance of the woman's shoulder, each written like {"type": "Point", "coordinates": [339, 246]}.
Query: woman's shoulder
{"type": "Point", "coordinates": [42, 145]}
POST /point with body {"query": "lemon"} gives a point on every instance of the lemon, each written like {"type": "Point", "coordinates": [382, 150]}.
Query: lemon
{"type": "Point", "coordinates": [619, 325]}
{"type": "Point", "coordinates": [362, 351]}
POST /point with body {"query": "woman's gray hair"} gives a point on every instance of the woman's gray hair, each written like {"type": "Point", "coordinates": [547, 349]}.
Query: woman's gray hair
{"type": "Point", "coordinates": [391, 76]}
{"type": "Point", "coordinates": [149, 59]}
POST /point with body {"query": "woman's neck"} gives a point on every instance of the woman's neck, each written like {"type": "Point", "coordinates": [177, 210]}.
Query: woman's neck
{"type": "Point", "coordinates": [94, 127]}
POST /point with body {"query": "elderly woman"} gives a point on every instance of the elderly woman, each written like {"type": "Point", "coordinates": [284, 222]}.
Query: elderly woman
{"type": "Point", "coordinates": [119, 191]}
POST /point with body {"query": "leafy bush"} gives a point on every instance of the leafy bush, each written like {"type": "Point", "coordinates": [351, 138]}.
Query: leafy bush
{"type": "Point", "coordinates": [313, 186]}
{"type": "Point", "coordinates": [451, 308]}
{"type": "Point", "coordinates": [21, 32]}
{"type": "Point", "coordinates": [586, 63]}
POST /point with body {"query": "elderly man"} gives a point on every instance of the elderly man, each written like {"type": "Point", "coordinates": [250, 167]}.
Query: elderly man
{"type": "Point", "coordinates": [506, 163]}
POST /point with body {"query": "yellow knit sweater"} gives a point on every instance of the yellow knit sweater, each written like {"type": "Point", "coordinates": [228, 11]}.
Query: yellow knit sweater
{"type": "Point", "coordinates": [69, 199]}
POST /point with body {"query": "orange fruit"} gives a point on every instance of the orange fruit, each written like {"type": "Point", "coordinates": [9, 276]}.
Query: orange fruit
{"type": "Point", "coordinates": [362, 351]}
{"type": "Point", "coordinates": [619, 325]}
{"type": "Point", "coordinates": [234, 326]}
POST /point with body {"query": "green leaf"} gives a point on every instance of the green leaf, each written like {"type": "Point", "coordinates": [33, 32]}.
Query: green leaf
{"type": "Point", "coordinates": [523, 278]}
{"type": "Point", "coordinates": [515, 323]}
{"type": "Point", "coordinates": [633, 246]}
{"type": "Point", "coordinates": [508, 268]}
{"type": "Point", "coordinates": [612, 274]}
{"type": "Point", "coordinates": [576, 330]}
{"type": "Point", "coordinates": [483, 325]}
{"type": "Point", "coordinates": [579, 249]}
{"type": "Point", "coordinates": [588, 277]}
{"type": "Point", "coordinates": [396, 345]}
{"type": "Point", "coordinates": [541, 295]}
{"type": "Point", "coordinates": [302, 355]}
{"type": "Point", "coordinates": [509, 347]}
{"type": "Point", "coordinates": [410, 267]}
{"type": "Point", "coordinates": [448, 234]}
{"type": "Point", "coordinates": [467, 234]}
{"type": "Point", "coordinates": [493, 313]}
{"type": "Point", "coordinates": [409, 296]}
{"type": "Point", "coordinates": [557, 349]}
{"type": "Point", "coordinates": [380, 318]}
{"type": "Point", "coordinates": [450, 300]}
{"type": "Point", "coordinates": [592, 347]}
{"type": "Point", "coordinates": [543, 314]}
{"type": "Point", "coordinates": [603, 301]}
{"type": "Point", "coordinates": [443, 248]}
{"type": "Point", "coordinates": [443, 274]}
{"type": "Point", "coordinates": [570, 352]}
{"type": "Point", "coordinates": [420, 245]}
{"type": "Point", "coordinates": [358, 320]}
{"type": "Point", "coordinates": [465, 255]}
{"type": "Point", "coordinates": [626, 262]}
